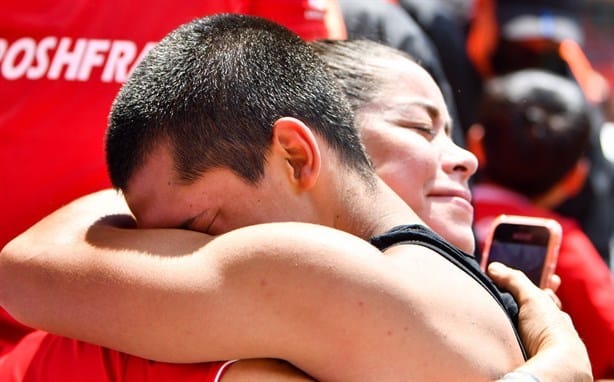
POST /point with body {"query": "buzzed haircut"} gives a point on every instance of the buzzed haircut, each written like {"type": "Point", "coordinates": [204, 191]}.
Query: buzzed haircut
{"type": "Point", "coordinates": [537, 127]}
{"type": "Point", "coordinates": [212, 89]}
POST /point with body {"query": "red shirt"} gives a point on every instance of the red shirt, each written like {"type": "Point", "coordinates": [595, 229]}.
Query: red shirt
{"type": "Point", "coordinates": [42, 357]}
{"type": "Point", "coordinates": [61, 65]}
{"type": "Point", "coordinates": [587, 285]}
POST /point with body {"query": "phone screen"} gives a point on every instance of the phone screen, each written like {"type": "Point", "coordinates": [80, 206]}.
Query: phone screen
{"type": "Point", "coordinates": [521, 246]}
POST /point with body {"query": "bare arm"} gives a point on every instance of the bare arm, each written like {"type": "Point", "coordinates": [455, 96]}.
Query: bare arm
{"type": "Point", "coordinates": [276, 290]}
{"type": "Point", "coordinates": [557, 353]}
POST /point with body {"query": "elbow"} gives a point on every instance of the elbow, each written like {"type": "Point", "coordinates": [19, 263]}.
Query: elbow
{"type": "Point", "coordinates": [7, 260]}
{"type": "Point", "coordinates": [13, 269]}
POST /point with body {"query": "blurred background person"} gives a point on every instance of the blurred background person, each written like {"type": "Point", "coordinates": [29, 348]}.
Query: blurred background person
{"type": "Point", "coordinates": [509, 35]}
{"type": "Point", "coordinates": [533, 129]}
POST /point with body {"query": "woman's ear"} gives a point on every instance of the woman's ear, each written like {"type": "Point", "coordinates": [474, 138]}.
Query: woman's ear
{"type": "Point", "coordinates": [475, 143]}
{"type": "Point", "coordinates": [299, 148]}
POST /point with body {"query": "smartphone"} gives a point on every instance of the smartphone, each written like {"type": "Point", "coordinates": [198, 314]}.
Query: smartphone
{"type": "Point", "coordinates": [526, 243]}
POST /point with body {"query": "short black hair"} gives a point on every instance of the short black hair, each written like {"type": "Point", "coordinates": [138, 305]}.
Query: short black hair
{"type": "Point", "coordinates": [536, 125]}
{"type": "Point", "coordinates": [212, 90]}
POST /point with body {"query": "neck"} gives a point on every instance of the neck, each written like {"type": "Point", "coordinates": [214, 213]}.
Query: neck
{"type": "Point", "coordinates": [371, 211]}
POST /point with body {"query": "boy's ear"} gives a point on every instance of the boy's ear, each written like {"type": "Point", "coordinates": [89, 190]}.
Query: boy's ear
{"type": "Point", "coordinates": [475, 142]}
{"type": "Point", "coordinates": [299, 148]}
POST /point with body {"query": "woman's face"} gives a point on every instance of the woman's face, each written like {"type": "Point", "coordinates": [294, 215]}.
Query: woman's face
{"type": "Point", "coordinates": [406, 132]}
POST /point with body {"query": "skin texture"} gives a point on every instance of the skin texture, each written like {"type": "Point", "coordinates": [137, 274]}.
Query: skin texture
{"type": "Point", "coordinates": [408, 137]}
{"type": "Point", "coordinates": [216, 203]}
{"type": "Point", "coordinates": [267, 284]}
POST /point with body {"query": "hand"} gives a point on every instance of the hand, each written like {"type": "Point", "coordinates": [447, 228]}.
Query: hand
{"type": "Point", "coordinates": [557, 352]}
{"type": "Point", "coordinates": [553, 285]}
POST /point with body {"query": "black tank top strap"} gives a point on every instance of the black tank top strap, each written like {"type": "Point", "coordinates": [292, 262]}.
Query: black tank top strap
{"type": "Point", "coordinates": [420, 235]}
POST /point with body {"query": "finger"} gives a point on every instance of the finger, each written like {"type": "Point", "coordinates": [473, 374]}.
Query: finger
{"type": "Point", "coordinates": [516, 282]}
{"type": "Point", "coordinates": [554, 297]}
{"type": "Point", "coordinates": [554, 282]}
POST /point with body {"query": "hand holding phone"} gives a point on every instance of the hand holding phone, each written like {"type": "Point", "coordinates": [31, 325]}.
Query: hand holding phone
{"type": "Point", "coordinates": [526, 243]}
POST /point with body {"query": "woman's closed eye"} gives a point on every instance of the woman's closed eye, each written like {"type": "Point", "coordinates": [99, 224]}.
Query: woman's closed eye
{"type": "Point", "coordinates": [425, 130]}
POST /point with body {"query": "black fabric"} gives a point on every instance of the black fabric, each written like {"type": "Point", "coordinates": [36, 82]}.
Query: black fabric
{"type": "Point", "coordinates": [420, 235]}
